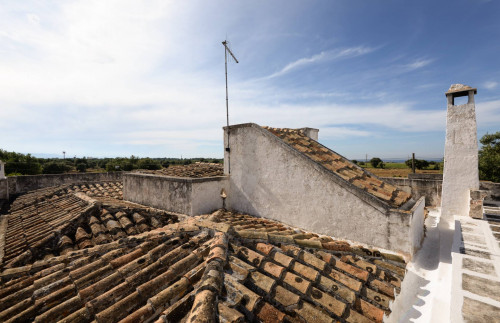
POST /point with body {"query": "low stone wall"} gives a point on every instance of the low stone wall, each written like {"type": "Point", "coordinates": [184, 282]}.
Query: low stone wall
{"type": "Point", "coordinates": [493, 190]}
{"type": "Point", "coordinates": [430, 186]}
{"type": "Point", "coordinates": [418, 187]}
{"type": "Point", "coordinates": [192, 196]}
{"type": "Point", "coordinates": [4, 195]}
{"type": "Point", "coordinates": [26, 183]}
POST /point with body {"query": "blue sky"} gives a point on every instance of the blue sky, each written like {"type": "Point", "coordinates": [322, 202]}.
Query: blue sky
{"type": "Point", "coordinates": [116, 78]}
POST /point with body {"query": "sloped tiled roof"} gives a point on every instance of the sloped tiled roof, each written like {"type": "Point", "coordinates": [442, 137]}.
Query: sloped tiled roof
{"type": "Point", "coordinates": [31, 226]}
{"type": "Point", "coordinates": [55, 221]}
{"type": "Point", "coordinates": [206, 269]}
{"type": "Point", "coordinates": [196, 170]}
{"type": "Point", "coordinates": [103, 189]}
{"type": "Point", "coordinates": [342, 167]}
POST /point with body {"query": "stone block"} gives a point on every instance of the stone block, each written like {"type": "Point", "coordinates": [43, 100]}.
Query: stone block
{"type": "Point", "coordinates": [476, 311]}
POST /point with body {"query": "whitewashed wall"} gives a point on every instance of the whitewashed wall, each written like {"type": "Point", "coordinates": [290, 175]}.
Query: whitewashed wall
{"type": "Point", "coordinates": [270, 179]}
{"type": "Point", "coordinates": [191, 196]}
{"type": "Point", "coordinates": [461, 172]}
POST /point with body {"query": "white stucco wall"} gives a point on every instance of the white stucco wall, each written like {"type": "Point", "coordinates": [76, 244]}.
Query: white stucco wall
{"type": "Point", "coordinates": [416, 229]}
{"type": "Point", "coordinates": [191, 196]}
{"type": "Point", "coordinates": [460, 158]}
{"type": "Point", "coordinates": [270, 179]}
{"type": "Point", "coordinates": [206, 195]}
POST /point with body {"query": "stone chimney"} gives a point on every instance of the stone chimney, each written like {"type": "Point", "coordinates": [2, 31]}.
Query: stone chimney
{"type": "Point", "coordinates": [311, 132]}
{"type": "Point", "coordinates": [461, 173]}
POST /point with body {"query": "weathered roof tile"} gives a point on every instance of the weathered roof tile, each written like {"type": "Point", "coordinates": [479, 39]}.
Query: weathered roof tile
{"type": "Point", "coordinates": [197, 274]}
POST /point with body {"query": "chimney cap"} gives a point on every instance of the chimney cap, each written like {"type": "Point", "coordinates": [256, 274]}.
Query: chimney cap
{"type": "Point", "coordinates": [460, 90]}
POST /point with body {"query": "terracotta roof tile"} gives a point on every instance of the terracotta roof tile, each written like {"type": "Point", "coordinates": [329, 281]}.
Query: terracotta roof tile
{"type": "Point", "coordinates": [305, 271]}
{"type": "Point", "coordinates": [198, 274]}
{"type": "Point", "coordinates": [268, 313]}
{"type": "Point", "coordinates": [282, 259]}
{"type": "Point", "coordinates": [296, 282]}
{"type": "Point", "coordinates": [230, 315]}
{"type": "Point", "coordinates": [70, 222]}
{"type": "Point", "coordinates": [311, 313]}
{"type": "Point", "coordinates": [286, 298]}
{"type": "Point", "coordinates": [196, 170]}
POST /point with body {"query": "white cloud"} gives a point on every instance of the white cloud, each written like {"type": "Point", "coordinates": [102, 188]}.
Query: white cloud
{"type": "Point", "coordinates": [322, 57]}
{"type": "Point", "coordinates": [488, 114]}
{"type": "Point", "coordinates": [396, 116]}
{"type": "Point", "coordinates": [490, 85]}
{"type": "Point", "coordinates": [94, 77]}
{"type": "Point", "coordinates": [342, 132]}
{"type": "Point", "coordinates": [418, 63]}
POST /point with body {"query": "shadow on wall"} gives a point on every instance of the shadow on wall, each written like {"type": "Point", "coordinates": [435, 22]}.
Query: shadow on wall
{"type": "Point", "coordinates": [417, 298]}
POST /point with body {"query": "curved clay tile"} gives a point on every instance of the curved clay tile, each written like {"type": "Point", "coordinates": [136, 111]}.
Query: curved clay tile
{"type": "Point", "coordinates": [125, 222]}
{"type": "Point", "coordinates": [97, 228]}
{"type": "Point", "coordinates": [65, 241]}
{"type": "Point", "coordinates": [81, 234]}
{"type": "Point", "coordinates": [138, 219]}
{"type": "Point", "coordinates": [113, 226]}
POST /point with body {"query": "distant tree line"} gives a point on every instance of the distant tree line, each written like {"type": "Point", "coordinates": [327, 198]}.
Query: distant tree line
{"type": "Point", "coordinates": [26, 164]}
{"type": "Point", "coordinates": [489, 159]}
{"type": "Point", "coordinates": [423, 164]}
{"type": "Point", "coordinates": [376, 162]}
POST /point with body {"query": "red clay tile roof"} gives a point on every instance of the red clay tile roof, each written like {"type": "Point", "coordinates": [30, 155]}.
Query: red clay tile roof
{"type": "Point", "coordinates": [54, 221]}
{"type": "Point", "coordinates": [203, 269]}
{"type": "Point", "coordinates": [196, 170]}
{"type": "Point", "coordinates": [102, 189]}
{"type": "Point", "coordinates": [105, 189]}
{"type": "Point", "coordinates": [341, 166]}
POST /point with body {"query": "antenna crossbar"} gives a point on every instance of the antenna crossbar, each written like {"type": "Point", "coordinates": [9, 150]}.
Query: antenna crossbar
{"type": "Point", "coordinates": [226, 50]}
{"type": "Point", "coordinates": [229, 50]}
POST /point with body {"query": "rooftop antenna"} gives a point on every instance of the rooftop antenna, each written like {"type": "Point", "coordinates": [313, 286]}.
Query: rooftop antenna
{"type": "Point", "coordinates": [226, 50]}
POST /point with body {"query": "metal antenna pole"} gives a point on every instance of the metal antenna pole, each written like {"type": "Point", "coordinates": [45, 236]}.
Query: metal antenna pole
{"type": "Point", "coordinates": [227, 97]}
{"type": "Point", "coordinates": [226, 49]}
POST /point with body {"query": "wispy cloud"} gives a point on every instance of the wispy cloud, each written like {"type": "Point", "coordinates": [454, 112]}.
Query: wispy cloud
{"type": "Point", "coordinates": [343, 132]}
{"type": "Point", "coordinates": [490, 85]}
{"type": "Point", "coordinates": [323, 57]}
{"type": "Point", "coordinates": [402, 117]}
{"type": "Point", "coordinates": [418, 63]}
{"type": "Point", "coordinates": [123, 76]}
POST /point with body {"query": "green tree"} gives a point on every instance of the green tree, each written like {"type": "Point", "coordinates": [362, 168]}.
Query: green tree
{"type": "Point", "coordinates": [16, 163]}
{"type": "Point", "coordinates": [56, 167]}
{"type": "Point", "coordinates": [489, 157]}
{"type": "Point", "coordinates": [81, 167]}
{"type": "Point", "coordinates": [419, 163]}
{"type": "Point", "coordinates": [148, 163]}
{"type": "Point", "coordinates": [375, 161]}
